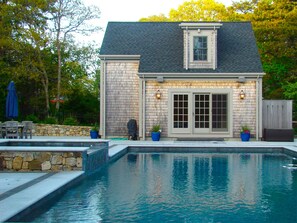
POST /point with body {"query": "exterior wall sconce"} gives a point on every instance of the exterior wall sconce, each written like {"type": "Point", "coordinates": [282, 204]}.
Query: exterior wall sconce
{"type": "Point", "coordinates": [242, 95]}
{"type": "Point", "coordinates": [158, 94]}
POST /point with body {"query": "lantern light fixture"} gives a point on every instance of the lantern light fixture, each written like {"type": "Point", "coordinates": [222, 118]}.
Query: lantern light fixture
{"type": "Point", "coordinates": [158, 94]}
{"type": "Point", "coordinates": [242, 95]}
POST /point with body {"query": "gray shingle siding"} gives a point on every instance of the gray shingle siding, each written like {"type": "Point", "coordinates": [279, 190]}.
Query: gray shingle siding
{"type": "Point", "coordinates": [160, 45]}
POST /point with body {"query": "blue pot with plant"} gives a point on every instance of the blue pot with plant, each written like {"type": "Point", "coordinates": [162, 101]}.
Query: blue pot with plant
{"type": "Point", "coordinates": [156, 133]}
{"type": "Point", "coordinates": [94, 132]}
{"type": "Point", "coordinates": [245, 133]}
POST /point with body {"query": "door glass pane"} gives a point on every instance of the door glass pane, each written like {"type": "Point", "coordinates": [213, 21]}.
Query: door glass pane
{"type": "Point", "coordinates": [219, 112]}
{"type": "Point", "coordinates": [201, 111]}
{"type": "Point", "coordinates": [180, 111]}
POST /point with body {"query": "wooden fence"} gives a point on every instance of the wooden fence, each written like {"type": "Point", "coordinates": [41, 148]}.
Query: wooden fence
{"type": "Point", "coordinates": [277, 114]}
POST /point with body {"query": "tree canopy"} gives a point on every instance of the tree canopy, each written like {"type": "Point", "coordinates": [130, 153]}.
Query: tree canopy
{"type": "Point", "coordinates": [37, 50]}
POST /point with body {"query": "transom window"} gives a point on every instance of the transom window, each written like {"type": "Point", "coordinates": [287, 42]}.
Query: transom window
{"type": "Point", "coordinates": [200, 48]}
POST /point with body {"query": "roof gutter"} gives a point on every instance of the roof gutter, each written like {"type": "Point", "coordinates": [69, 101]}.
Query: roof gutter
{"type": "Point", "coordinates": [119, 57]}
{"type": "Point", "coordinates": [200, 75]}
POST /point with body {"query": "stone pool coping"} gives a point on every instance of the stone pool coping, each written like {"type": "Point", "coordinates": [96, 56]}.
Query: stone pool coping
{"type": "Point", "coordinates": [42, 149]}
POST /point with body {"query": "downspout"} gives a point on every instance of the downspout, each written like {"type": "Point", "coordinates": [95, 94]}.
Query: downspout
{"type": "Point", "coordinates": [140, 108]}
{"type": "Point", "coordinates": [143, 109]}
{"type": "Point", "coordinates": [215, 49]}
{"type": "Point", "coordinates": [257, 108]}
{"type": "Point", "coordinates": [260, 109]}
{"type": "Point", "coordinates": [103, 98]}
{"type": "Point", "coordinates": [187, 49]}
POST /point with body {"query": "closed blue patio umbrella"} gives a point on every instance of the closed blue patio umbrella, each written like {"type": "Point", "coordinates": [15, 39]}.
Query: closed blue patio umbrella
{"type": "Point", "coordinates": [12, 108]}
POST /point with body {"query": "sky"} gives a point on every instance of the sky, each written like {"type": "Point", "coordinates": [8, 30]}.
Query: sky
{"type": "Point", "coordinates": [131, 10]}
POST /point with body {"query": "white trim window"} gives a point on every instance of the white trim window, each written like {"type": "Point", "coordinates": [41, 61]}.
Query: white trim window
{"type": "Point", "coordinates": [200, 48]}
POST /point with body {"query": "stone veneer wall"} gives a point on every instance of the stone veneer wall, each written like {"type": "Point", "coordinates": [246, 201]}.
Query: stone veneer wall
{"type": "Point", "coordinates": [244, 111]}
{"type": "Point", "coordinates": [122, 96]}
{"type": "Point", "coordinates": [60, 130]}
{"type": "Point", "coordinates": [41, 161]}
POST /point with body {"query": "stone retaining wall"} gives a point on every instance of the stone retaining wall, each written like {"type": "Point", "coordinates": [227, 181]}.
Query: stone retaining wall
{"type": "Point", "coordinates": [41, 161]}
{"type": "Point", "coordinates": [60, 130]}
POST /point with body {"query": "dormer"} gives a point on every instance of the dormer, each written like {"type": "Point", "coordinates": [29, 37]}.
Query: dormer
{"type": "Point", "coordinates": [200, 45]}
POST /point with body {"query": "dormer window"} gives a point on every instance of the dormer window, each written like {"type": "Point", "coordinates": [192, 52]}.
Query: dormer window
{"type": "Point", "coordinates": [200, 48]}
{"type": "Point", "coordinates": [200, 45]}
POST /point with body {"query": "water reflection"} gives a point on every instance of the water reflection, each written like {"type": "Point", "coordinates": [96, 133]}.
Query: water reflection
{"type": "Point", "coordinates": [201, 173]}
{"type": "Point", "coordinates": [175, 187]}
{"type": "Point", "coordinates": [180, 172]}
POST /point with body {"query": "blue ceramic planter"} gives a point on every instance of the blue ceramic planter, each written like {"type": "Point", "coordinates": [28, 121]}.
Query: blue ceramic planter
{"type": "Point", "coordinates": [94, 134]}
{"type": "Point", "coordinates": [156, 136]}
{"type": "Point", "coordinates": [245, 136]}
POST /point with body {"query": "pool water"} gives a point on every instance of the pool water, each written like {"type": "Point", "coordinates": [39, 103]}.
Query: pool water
{"type": "Point", "coordinates": [184, 187]}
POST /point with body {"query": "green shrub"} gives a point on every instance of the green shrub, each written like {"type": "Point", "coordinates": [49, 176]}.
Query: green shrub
{"type": "Point", "coordinates": [156, 128]}
{"type": "Point", "coordinates": [32, 118]}
{"type": "Point", "coordinates": [95, 127]}
{"type": "Point", "coordinates": [70, 121]}
{"type": "Point", "coordinates": [50, 120]}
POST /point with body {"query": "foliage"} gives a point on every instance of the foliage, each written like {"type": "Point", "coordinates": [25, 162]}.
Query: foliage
{"type": "Point", "coordinates": [28, 56]}
{"type": "Point", "coordinates": [95, 128]}
{"type": "Point", "coordinates": [70, 121]}
{"type": "Point", "coordinates": [155, 18]}
{"type": "Point", "coordinates": [68, 17]}
{"type": "Point", "coordinates": [199, 10]}
{"type": "Point", "coordinates": [245, 129]}
{"type": "Point", "coordinates": [32, 118]}
{"type": "Point", "coordinates": [50, 120]}
{"type": "Point", "coordinates": [156, 128]}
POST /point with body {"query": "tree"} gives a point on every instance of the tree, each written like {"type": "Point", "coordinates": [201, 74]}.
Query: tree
{"type": "Point", "coordinates": [275, 26]}
{"type": "Point", "coordinates": [199, 10]}
{"type": "Point", "coordinates": [155, 18]}
{"type": "Point", "coordinates": [81, 80]}
{"type": "Point", "coordinates": [22, 26]}
{"type": "Point", "coordinates": [69, 17]}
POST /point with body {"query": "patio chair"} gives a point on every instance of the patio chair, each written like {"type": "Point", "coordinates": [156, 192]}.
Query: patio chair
{"type": "Point", "coordinates": [11, 129]}
{"type": "Point", "coordinates": [27, 130]}
{"type": "Point", "coordinates": [2, 130]}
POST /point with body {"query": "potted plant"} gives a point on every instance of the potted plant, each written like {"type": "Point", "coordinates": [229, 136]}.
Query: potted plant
{"type": "Point", "coordinates": [156, 132]}
{"type": "Point", "coordinates": [245, 133]}
{"type": "Point", "coordinates": [94, 133]}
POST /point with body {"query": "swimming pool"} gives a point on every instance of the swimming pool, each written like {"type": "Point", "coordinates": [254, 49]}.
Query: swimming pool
{"type": "Point", "coordinates": [184, 187]}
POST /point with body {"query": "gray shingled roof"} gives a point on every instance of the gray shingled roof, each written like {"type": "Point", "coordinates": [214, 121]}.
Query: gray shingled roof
{"type": "Point", "coordinates": [160, 45]}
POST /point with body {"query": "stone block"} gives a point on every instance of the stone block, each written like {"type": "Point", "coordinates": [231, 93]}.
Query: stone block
{"type": "Point", "coordinates": [2, 162]}
{"type": "Point", "coordinates": [35, 165]}
{"type": "Point", "coordinates": [57, 167]}
{"type": "Point", "coordinates": [17, 163]}
{"type": "Point", "coordinates": [71, 161]}
{"type": "Point", "coordinates": [28, 157]}
{"type": "Point", "coordinates": [25, 165]}
{"type": "Point", "coordinates": [57, 159]}
{"type": "Point", "coordinates": [79, 162]}
{"type": "Point", "coordinates": [67, 168]}
{"type": "Point", "coordinates": [46, 165]}
{"type": "Point", "coordinates": [8, 164]}
{"type": "Point", "coordinates": [43, 156]}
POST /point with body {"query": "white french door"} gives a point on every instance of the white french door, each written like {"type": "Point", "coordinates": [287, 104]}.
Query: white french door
{"type": "Point", "coordinates": [202, 114]}
{"type": "Point", "coordinates": [205, 112]}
